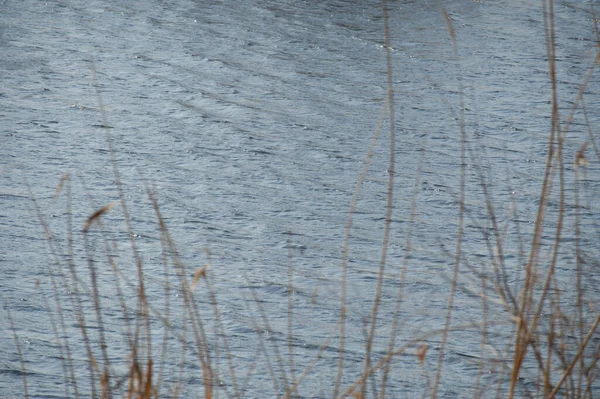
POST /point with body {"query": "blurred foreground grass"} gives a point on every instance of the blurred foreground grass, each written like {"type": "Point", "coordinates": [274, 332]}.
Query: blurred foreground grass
{"type": "Point", "coordinates": [557, 339]}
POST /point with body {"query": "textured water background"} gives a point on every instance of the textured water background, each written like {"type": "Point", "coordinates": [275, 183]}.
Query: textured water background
{"type": "Point", "coordinates": [252, 120]}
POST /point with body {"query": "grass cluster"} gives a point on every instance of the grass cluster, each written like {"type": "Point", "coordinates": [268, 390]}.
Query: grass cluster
{"type": "Point", "coordinates": [556, 340]}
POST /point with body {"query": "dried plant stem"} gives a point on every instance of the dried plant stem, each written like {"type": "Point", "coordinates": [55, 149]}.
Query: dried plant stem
{"type": "Point", "coordinates": [190, 306]}
{"type": "Point", "coordinates": [351, 390]}
{"type": "Point", "coordinates": [403, 271]}
{"type": "Point", "coordinates": [220, 328]}
{"type": "Point", "coordinates": [461, 213]}
{"type": "Point", "coordinates": [290, 310]}
{"type": "Point", "coordinates": [67, 365]}
{"type": "Point", "coordinates": [142, 300]}
{"type": "Point", "coordinates": [19, 352]}
{"type": "Point", "coordinates": [390, 194]}
{"type": "Point", "coordinates": [579, 354]}
{"type": "Point", "coordinates": [262, 346]}
{"type": "Point", "coordinates": [524, 328]}
{"type": "Point", "coordinates": [345, 249]}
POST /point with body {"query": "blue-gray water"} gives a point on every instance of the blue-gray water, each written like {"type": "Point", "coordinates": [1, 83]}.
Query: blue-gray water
{"type": "Point", "coordinates": [252, 120]}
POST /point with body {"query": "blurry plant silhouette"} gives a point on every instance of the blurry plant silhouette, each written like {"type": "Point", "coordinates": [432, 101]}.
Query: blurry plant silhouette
{"type": "Point", "coordinates": [558, 340]}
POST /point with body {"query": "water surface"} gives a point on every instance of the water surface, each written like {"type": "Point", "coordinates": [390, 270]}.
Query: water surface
{"type": "Point", "coordinates": [251, 121]}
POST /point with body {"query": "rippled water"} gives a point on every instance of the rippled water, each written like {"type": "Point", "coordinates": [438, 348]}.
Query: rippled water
{"type": "Point", "coordinates": [252, 120]}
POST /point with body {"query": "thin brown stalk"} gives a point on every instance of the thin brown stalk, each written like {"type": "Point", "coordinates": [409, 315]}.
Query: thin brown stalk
{"type": "Point", "coordinates": [167, 307]}
{"type": "Point", "coordinates": [313, 362]}
{"type": "Point", "coordinates": [19, 352]}
{"type": "Point", "coordinates": [97, 304]}
{"type": "Point", "coordinates": [352, 389]}
{"type": "Point", "coordinates": [579, 354]}
{"type": "Point", "coordinates": [496, 253]}
{"type": "Point", "coordinates": [278, 357]}
{"type": "Point", "coordinates": [592, 139]}
{"type": "Point", "coordinates": [251, 370]}
{"type": "Point", "coordinates": [560, 134]}
{"type": "Point", "coordinates": [484, 316]}
{"type": "Point", "coordinates": [461, 213]}
{"type": "Point", "coordinates": [404, 268]}
{"type": "Point", "coordinates": [142, 300]}
{"type": "Point", "coordinates": [74, 299]}
{"type": "Point", "coordinates": [183, 357]}
{"type": "Point", "coordinates": [551, 270]}
{"type": "Point", "coordinates": [579, 161]}
{"type": "Point", "coordinates": [523, 335]}
{"type": "Point", "coordinates": [261, 343]}
{"type": "Point", "coordinates": [290, 309]}
{"type": "Point", "coordinates": [63, 341]}
{"type": "Point", "coordinates": [221, 330]}
{"type": "Point", "coordinates": [390, 192]}
{"type": "Point", "coordinates": [503, 371]}
{"type": "Point", "coordinates": [190, 306]}
{"type": "Point", "coordinates": [71, 267]}
{"type": "Point", "coordinates": [77, 304]}
{"type": "Point", "coordinates": [345, 250]}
